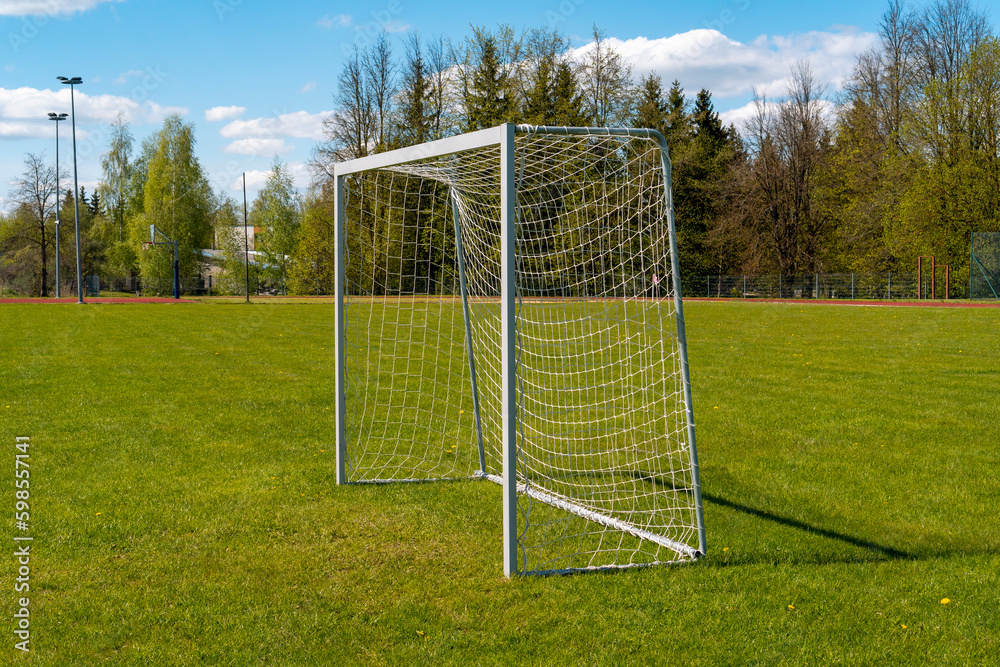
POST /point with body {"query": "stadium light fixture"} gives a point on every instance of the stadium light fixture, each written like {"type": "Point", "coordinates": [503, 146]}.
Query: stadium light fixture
{"type": "Point", "coordinates": [57, 117]}
{"type": "Point", "coordinates": [72, 82]}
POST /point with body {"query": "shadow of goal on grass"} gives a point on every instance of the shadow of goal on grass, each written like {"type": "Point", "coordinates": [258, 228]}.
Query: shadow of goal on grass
{"type": "Point", "coordinates": [884, 552]}
{"type": "Point", "coordinates": [888, 553]}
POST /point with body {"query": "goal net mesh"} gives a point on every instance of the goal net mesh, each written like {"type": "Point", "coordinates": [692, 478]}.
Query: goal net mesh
{"type": "Point", "coordinates": [604, 466]}
{"type": "Point", "coordinates": [984, 281]}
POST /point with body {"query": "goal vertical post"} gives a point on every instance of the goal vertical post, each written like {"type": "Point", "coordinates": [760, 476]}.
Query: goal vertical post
{"type": "Point", "coordinates": [464, 287]}
{"type": "Point", "coordinates": [682, 342]}
{"type": "Point", "coordinates": [339, 328]}
{"type": "Point", "coordinates": [508, 312]}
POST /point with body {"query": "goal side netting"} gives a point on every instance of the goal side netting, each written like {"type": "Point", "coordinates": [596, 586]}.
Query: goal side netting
{"type": "Point", "coordinates": [984, 266]}
{"type": "Point", "coordinates": [578, 401]}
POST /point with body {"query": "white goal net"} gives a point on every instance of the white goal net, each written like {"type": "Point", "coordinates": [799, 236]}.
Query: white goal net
{"type": "Point", "coordinates": [508, 310]}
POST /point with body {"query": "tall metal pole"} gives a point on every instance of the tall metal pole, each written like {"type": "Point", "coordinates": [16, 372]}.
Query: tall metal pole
{"type": "Point", "coordinates": [76, 185]}
{"type": "Point", "coordinates": [246, 235]}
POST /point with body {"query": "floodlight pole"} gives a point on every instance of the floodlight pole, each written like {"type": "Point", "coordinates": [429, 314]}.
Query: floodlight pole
{"type": "Point", "coordinates": [246, 235]}
{"type": "Point", "coordinates": [57, 117]}
{"type": "Point", "coordinates": [76, 185]}
{"type": "Point", "coordinates": [153, 231]}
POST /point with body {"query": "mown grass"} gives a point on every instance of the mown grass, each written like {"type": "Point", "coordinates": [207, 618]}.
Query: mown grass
{"type": "Point", "coordinates": [184, 508]}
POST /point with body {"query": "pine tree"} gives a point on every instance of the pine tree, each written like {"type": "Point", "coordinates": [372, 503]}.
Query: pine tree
{"type": "Point", "coordinates": [489, 100]}
{"type": "Point", "coordinates": [567, 98]}
{"type": "Point", "coordinates": [651, 111]}
{"type": "Point", "coordinates": [94, 206]}
{"type": "Point", "coordinates": [414, 124]}
{"type": "Point", "coordinates": [539, 106]}
{"type": "Point", "coordinates": [677, 125]}
{"type": "Point", "coordinates": [707, 125]}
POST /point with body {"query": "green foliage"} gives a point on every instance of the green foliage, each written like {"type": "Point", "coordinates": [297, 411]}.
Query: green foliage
{"type": "Point", "coordinates": [702, 157]}
{"type": "Point", "coordinates": [275, 212]}
{"type": "Point", "coordinates": [567, 98]}
{"type": "Point", "coordinates": [489, 97]}
{"type": "Point", "coordinates": [231, 239]}
{"type": "Point", "coordinates": [651, 111]}
{"type": "Point", "coordinates": [414, 117]}
{"type": "Point", "coordinates": [314, 268]}
{"type": "Point", "coordinates": [177, 199]}
{"type": "Point", "coordinates": [117, 167]}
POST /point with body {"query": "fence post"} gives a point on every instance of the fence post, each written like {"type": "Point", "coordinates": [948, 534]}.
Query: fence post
{"type": "Point", "coordinates": [889, 295]}
{"type": "Point", "coordinates": [816, 288]}
{"type": "Point", "coordinates": [852, 286]}
{"type": "Point", "coordinates": [744, 286]}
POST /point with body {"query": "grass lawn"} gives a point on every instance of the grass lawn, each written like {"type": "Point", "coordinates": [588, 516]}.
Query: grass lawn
{"type": "Point", "coordinates": [184, 508]}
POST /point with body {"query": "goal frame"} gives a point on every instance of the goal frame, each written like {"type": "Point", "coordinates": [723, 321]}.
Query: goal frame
{"type": "Point", "coordinates": [503, 136]}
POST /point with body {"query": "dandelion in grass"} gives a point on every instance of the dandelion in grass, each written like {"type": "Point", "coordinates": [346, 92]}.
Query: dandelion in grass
{"type": "Point", "coordinates": [945, 600]}
{"type": "Point", "coordinates": [791, 607]}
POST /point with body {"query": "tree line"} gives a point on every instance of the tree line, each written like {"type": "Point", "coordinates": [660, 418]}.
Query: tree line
{"type": "Point", "coordinates": [904, 161]}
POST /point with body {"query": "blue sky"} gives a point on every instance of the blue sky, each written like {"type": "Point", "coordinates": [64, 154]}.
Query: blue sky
{"type": "Point", "coordinates": [257, 78]}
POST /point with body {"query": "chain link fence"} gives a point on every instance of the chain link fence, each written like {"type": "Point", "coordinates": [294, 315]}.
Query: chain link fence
{"type": "Point", "coordinates": [859, 286]}
{"type": "Point", "coordinates": [849, 286]}
{"type": "Point", "coordinates": [984, 281]}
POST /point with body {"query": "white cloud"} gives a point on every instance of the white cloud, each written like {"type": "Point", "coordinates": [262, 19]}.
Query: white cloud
{"type": "Point", "coordinates": [125, 77]}
{"type": "Point", "coordinates": [223, 113]}
{"type": "Point", "coordinates": [300, 124]}
{"type": "Point", "coordinates": [340, 20]}
{"type": "Point", "coordinates": [260, 147]}
{"type": "Point", "coordinates": [256, 179]}
{"type": "Point", "coordinates": [310, 85]}
{"type": "Point", "coordinates": [739, 116]}
{"type": "Point", "coordinates": [395, 26]}
{"type": "Point", "coordinates": [19, 130]}
{"type": "Point", "coordinates": [47, 7]}
{"type": "Point", "coordinates": [23, 108]}
{"type": "Point", "coordinates": [706, 58]}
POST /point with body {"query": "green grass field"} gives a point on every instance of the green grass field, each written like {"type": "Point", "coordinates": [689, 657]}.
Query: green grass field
{"type": "Point", "coordinates": [184, 508]}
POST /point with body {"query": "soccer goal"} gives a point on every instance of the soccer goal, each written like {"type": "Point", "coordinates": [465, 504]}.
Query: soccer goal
{"type": "Point", "coordinates": [984, 266]}
{"type": "Point", "coordinates": [509, 310]}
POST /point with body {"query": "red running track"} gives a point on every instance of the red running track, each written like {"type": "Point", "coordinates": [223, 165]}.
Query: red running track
{"type": "Point", "coordinates": [101, 299]}
{"type": "Point", "coordinates": [831, 302]}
